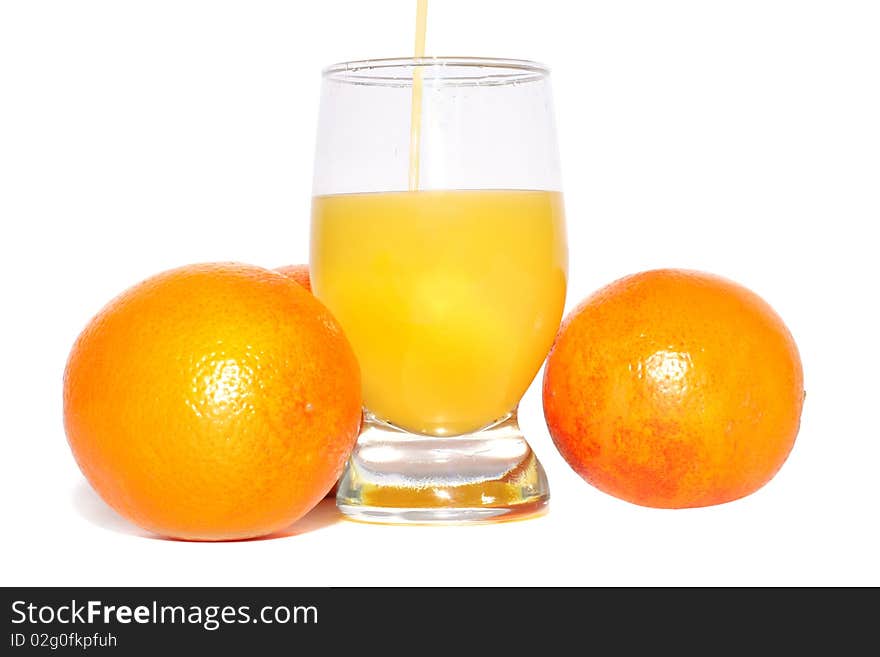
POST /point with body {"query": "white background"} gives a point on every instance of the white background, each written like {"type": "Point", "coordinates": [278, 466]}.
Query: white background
{"type": "Point", "coordinates": [739, 137]}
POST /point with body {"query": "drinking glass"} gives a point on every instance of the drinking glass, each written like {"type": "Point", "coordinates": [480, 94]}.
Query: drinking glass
{"type": "Point", "coordinates": [450, 292]}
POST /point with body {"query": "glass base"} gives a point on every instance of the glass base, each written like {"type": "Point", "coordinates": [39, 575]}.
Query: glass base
{"type": "Point", "coordinates": [394, 476]}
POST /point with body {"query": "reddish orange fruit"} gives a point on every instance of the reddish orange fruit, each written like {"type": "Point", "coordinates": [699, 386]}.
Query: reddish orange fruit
{"type": "Point", "coordinates": [674, 389]}
{"type": "Point", "coordinates": [299, 273]}
{"type": "Point", "coordinates": [212, 402]}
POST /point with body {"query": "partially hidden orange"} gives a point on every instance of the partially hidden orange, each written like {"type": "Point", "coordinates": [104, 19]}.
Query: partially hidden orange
{"type": "Point", "coordinates": [299, 273]}
{"type": "Point", "coordinates": [674, 388]}
{"type": "Point", "coordinates": [212, 402]}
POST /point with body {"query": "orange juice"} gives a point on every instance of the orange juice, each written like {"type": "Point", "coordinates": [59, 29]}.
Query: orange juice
{"type": "Point", "coordinates": [451, 299]}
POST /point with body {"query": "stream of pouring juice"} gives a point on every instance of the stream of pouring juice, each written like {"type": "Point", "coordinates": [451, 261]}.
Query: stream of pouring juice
{"type": "Point", "coordinates": [450, 299]}
{"type": "Point", "coordinates": [415, 123]}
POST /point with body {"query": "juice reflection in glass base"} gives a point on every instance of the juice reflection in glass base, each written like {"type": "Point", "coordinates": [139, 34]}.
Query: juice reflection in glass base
{"type": "Point", "coordinates": [397, 477]}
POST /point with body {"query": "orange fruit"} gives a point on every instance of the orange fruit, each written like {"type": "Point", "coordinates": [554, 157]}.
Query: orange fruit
{"type": "Point", "coordinates": [212, 402]}
{"type": "Point", "coordinates": [299, 273]}
{"type": "Point", "coordinates": [673, 389]}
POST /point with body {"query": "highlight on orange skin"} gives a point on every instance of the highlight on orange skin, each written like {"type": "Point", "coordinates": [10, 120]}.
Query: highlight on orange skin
{"type": "Point", "coordinates": [674, 388]}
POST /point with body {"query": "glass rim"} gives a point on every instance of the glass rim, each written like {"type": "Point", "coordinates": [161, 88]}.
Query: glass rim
{"type": "Point", "coordinates": [398, 71]}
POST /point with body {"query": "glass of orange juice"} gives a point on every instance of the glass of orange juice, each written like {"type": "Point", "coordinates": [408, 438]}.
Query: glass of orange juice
{"type": "Point", "coordinates": [438, 242]}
